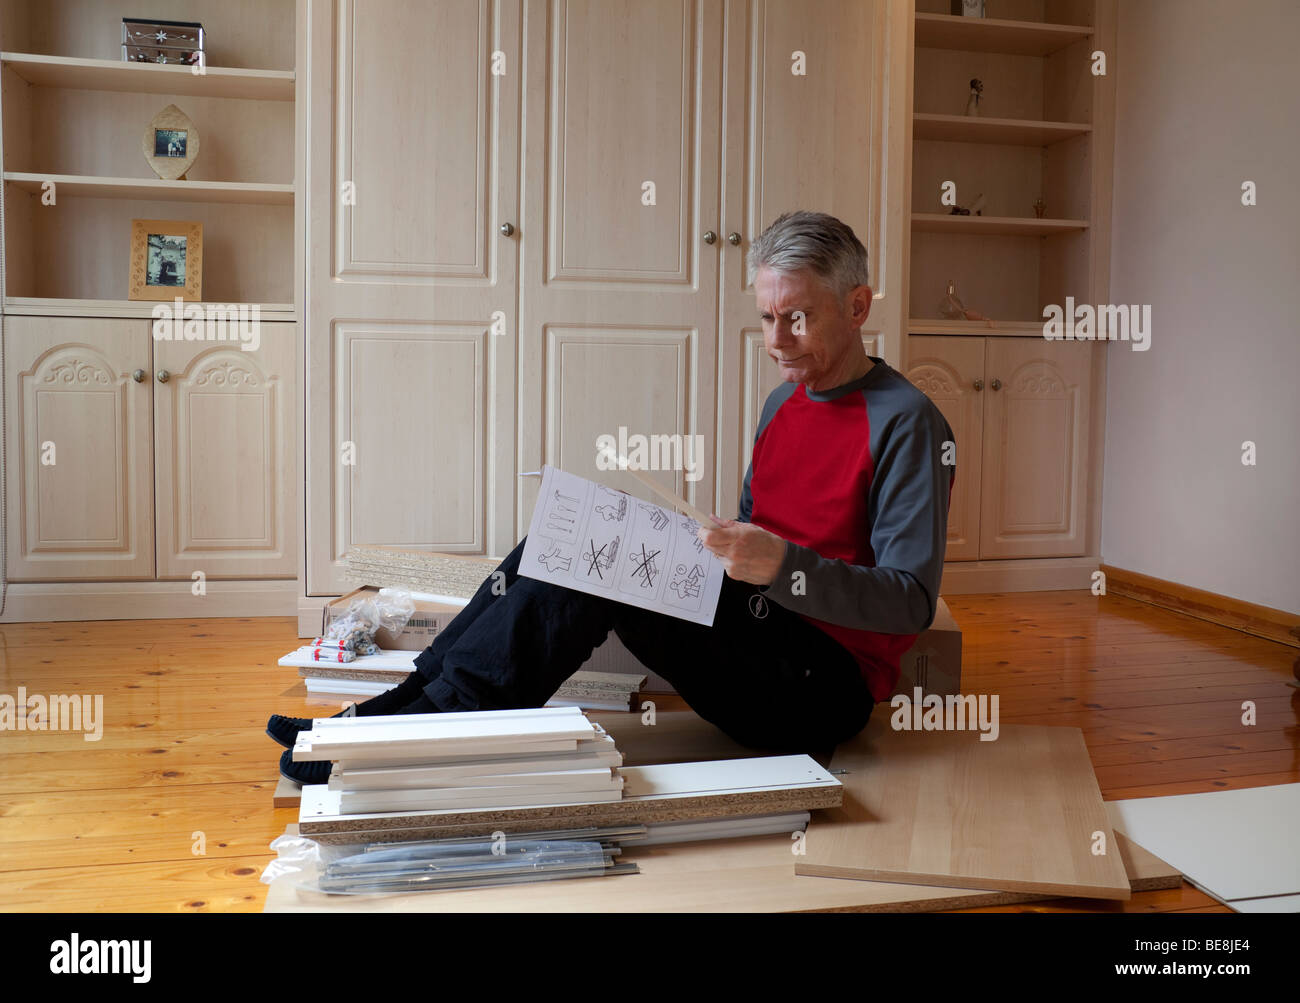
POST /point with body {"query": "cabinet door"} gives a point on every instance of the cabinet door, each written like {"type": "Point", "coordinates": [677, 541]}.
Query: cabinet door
{"type": "Point", "coordinates": [413, 167]}
{"type": "Point", "coordinates": [809, 124]}
{"type": "Point", "coordinates": [947, 370]}
{"type": "Point", "coordinates": [618, 288]}
{"type": "Point", "coordinates": [224, 452]}
{"type": "Point", "coordinates": [1036, 444]}
{"type": "Point", "coordinates": [79, 480]}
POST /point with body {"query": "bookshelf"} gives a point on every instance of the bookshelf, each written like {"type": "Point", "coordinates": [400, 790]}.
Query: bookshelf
{"type": "Point", "coordinates": [73, 114]}
{"type": "Point", "coordinates": [1039, 135]}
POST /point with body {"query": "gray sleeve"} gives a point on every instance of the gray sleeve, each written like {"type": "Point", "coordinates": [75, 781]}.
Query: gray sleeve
{"type": "Point", "coordinates": [908, 508]}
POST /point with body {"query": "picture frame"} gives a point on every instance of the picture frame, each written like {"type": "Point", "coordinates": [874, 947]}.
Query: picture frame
{"type": "Point", "coordinates": [170, 143]}
{"type": "Point", "coordinates": [166, 260]}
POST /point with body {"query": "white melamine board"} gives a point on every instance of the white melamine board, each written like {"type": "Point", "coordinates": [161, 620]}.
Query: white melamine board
{"type": "Point", "coordinates": [356, 687]}
{"type": "Point", "coordinates": [435, 733]}
{"type": "Point", "coordinates": [721, 828]}
{"type": "Point", "coordinates": [425, 751]}
{"type": "Point", "coordinates": [460, 798]}
{"type": "Point", "coordinates": [387, 660]}
{"type": "Point", "coordinates": [485, 717]}
{"type": "Point", "coordinates": [602, 746]}
{"type": "Point", "coordinates": [1238, 844]}
{"type": "Point", "coordinates": [676, 780]}
{"type": "Point", "coordinates": [685, 779]}
{"type": "Point", "coordinates": [411, 778]}
{"type": "Point", "coordinates": [1273, 903]}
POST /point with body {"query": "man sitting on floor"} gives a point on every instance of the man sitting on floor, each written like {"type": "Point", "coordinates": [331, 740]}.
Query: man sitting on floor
{"type": "Point", "coordinates": [833, 563]}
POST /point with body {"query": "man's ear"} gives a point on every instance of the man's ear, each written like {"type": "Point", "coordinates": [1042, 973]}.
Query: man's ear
{"type": "Point", "coordinates": [860, 304]}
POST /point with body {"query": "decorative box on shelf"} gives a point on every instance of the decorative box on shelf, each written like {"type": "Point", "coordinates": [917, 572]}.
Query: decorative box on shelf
{"type": "Point", "coordinates": [149, 41]}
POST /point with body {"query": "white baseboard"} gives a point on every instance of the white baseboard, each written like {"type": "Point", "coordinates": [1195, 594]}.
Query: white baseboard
{"type": "Point", "coordinates": [1039, 574]}
{"type": "Point", "coordinates": [46, 602]}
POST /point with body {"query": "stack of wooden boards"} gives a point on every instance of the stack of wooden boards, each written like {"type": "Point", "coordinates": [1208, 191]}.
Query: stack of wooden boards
{"type": "Point", "coordinates": [978, 818]}
{"type": "Point", "coordinates": [369, 675]}
{"type": "Point", "coordinates": [492, 759]}
{"type": "Point", "coordinates": [418, 570]}
{"type": "Point", "coordinates": [429, 776]}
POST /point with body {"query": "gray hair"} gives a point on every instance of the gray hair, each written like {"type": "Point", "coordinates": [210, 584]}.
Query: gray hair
{"type": "Point", "coordinates": [815, 241]}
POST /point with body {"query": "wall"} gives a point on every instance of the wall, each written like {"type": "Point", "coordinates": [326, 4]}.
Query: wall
{"type": "Point", "coordinates": [1208, 97]}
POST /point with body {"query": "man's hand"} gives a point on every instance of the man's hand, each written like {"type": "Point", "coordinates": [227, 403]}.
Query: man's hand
{"type": "Point", "coordinates": [749, 553]}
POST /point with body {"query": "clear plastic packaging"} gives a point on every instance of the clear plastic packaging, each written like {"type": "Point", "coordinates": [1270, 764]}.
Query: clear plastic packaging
{"type": "Point", "coordinates": [398, 868]}
{"type": "Point", "coordinates": [389, 609]}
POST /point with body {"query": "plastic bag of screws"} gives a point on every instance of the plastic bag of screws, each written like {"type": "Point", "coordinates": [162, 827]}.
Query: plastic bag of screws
{"type": "Point", "coordinates": [168, 42]}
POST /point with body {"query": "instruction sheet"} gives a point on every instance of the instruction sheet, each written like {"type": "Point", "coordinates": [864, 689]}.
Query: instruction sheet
{"type": "Point", "coordinates": [595, 539]}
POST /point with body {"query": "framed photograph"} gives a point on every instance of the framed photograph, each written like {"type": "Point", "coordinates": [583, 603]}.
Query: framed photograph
{"type": "Point", "coordinates": [170, 144]}
{"type": "Point", "coordinates": [166, 260]}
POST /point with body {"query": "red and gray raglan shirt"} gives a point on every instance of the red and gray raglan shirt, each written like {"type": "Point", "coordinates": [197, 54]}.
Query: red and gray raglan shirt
{"type": "Point", "coordinates": [854, 479]}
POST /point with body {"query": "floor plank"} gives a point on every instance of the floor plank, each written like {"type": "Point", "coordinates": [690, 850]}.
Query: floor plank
{"type": "Point", "coordinates": [111, 825]}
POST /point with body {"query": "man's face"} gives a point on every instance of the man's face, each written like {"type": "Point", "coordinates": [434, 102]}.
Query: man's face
{"type": "Point", "coordinates": [808, 331]}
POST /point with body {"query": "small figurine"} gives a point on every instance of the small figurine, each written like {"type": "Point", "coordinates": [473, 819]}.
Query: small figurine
{"type": "Point", "coordinates": [952, 308]}
{"type": "Point", "coordinates": [1040, 207]}
{"type": "Point", "coordinates": [973, 102]}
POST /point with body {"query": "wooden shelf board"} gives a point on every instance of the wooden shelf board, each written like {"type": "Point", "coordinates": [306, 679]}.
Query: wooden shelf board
{"type": "Point", "coordinates": [40, 306]}
{"type": "Point", "coordinates": [1005, 328]}
{"type": "Point", "coordinates": [1003, 131]}
{"type": "Point", "coordinates": [149, 78]}
{"type": "Point", "coordinates": [1007, 226]}
{"type": "Point", "coordinates": [155, 188]}
{"type": "Point", "coordinates": [984, 34]}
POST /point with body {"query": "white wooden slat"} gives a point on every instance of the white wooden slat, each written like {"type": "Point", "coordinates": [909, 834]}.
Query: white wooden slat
{"type": "Point", "coordinates": [305, 751]}
{"type": "Point", "coordinates": [457, 736]}
{"type": "Point", "coordinates": [483, 716]}
{"type": "Point", "coordinates": [355, 802]}
{"type": "Point", "coordinates": [388, 757]}
{"type": "Point", "coordinates": [684, 779]}
{"type": "Point", "coordinates": [408, 777]}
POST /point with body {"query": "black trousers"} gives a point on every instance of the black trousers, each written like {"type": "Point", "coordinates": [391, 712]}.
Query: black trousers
{"type": "Point", "coordinates": [761, 674]}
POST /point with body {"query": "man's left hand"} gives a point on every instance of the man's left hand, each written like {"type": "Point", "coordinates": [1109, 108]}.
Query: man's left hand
{"type": "Point", "coordinates": [749, 553]}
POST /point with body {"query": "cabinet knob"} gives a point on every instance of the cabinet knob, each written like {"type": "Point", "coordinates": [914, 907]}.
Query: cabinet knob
{"type": "Point", "coordinates": [733, 239]}
{"type": "Point", "coordinates": [163, 376]}
{"type": "Point", "coordinates": [507, 229]}
{"type": "Point", "coordinates": [710, 236]}
{"type": "Point", "coordinates": [979, 385]}
{"type": "Point", "coordinates": [996, 384]}
{"type": "Point", "coordinates": [138, 376]}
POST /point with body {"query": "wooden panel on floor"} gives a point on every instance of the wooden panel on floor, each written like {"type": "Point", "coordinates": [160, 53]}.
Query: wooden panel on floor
{"type": "Point", "coordinates": [729, 875]}
{"type": "Point", "coordinates": [943, 807]}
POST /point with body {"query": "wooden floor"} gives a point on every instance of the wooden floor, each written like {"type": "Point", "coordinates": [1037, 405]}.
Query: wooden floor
{"type": "Point", "coordinates": [184, 765]}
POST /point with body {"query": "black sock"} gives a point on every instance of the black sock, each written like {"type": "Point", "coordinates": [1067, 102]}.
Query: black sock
{"type": "Point", "coordinates": [394, 701]}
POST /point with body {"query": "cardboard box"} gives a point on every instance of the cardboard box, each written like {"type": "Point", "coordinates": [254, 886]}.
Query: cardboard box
{"type": "Point", "coordinates": [934, 661]}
